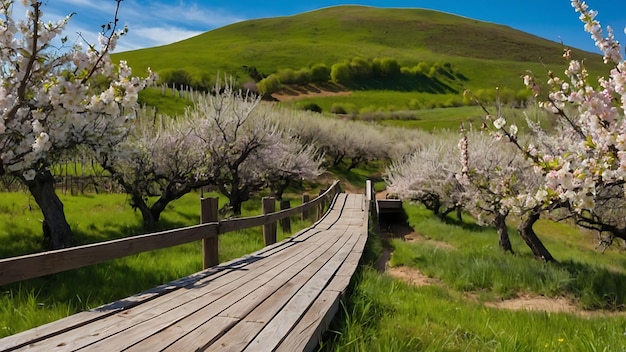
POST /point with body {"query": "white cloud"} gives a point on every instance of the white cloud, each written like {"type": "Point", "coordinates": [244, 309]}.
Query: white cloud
{"type": "Point", "coordinates": [163, 14]}
{"type": "Point", "coordinates": [153, 36]}
{"type": "Point", "coordinates": [150, 23]}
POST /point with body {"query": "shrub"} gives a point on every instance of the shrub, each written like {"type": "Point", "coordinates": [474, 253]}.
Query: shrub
{"type": "Point", "coordinates": [338, 109]}
{"type": "Point", "coordinates": [361, 67]}
{"type": "Point", "coordinates": [389, 67]}
{"type": "Point", "coordinates": [340, 73]}
{"type": "Point", "coordinates": [320, 73]}
{"type": "Point", "coordinates": [303, 76]}
{"type": "Point", "coordinates": [312, 107]}
{"type": "Point", "coordinates": [269, 85]}
{"type": "Point", "coordinates": [286, 76]}
{"type": "Point", "coordinates": [178, 77]}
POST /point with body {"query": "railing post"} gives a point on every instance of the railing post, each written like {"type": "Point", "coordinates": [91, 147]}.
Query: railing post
{"type": "Point", "coordinates": [369, 194]}
{"type": "Point", "coordinates": [285, 224]}
{"type": "Point", "coordinates": [208, 213]}
{"type": "Point", "coordinates": [320, 207]}
{"type": "Point", "coordinates": [269, 230]}
{"type": "Point", "coordinates": [307, 213]}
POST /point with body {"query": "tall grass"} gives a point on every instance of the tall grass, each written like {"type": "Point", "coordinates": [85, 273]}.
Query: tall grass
{"type": "Point", "coordinates": [386, 314]}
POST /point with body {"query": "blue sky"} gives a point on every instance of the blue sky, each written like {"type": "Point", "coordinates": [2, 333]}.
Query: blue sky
{"type": "Point", "coordinates": [153, 23]}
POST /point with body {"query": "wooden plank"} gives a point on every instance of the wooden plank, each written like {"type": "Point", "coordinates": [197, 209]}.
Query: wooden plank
{"type": "Point", "coordinates": [273, 333]}
{"type": "Point", "coordinates": [204, 336]}
{"type": "Point", "coordinates": [45, 263]}
{"type": "Point", "coordinates": [83, 318]}
{"type": "Point", "coordinates": [344, 275]}
{"type": "Point", "coordinates": [306, 335]}
{"type": "Point", "coordinates": [255, 320]}
{"type": "Point", "coordinates": [236, 304]}
{"type": "Point", "coordinates": [206, 306]}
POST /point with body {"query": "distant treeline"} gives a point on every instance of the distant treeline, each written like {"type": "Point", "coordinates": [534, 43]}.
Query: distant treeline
{"type": "Point", "coordinates": [357, 71]}
{"type": "Point", "coordinates": [365, 73]}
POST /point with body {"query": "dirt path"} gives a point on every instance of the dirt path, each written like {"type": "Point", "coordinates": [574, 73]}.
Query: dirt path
{"type": "Point", "coordinates": [295, 93]}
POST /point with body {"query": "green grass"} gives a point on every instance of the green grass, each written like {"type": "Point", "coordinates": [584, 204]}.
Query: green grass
{"type": "Point", "coordinates": [386, 314]}
{"type": "Point", "coordinates": [441, 119]}
{"type": "Point", "coordinates": [166, 102]}
{"type": "Point", "coordinates": [363, 101]}
{"type": "Point", "coordinates": [486, 55]}
{"type": "Point", "coordinates": [333, 34]}
{"type": "Point", "coordinates": [101, 217]}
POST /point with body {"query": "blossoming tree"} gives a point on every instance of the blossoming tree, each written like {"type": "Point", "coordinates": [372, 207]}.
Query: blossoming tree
{"type": "Point", "coordinates": [290, 161]}
{"type": "Point", "coordinates": [492, 178]}
{"type": "Point", "coordinates": [53, 100]}
{"type": "Point", "coordinates": [428, 175]}
{"type": "Point", "coordinates": [160, 161]}
{"type": "Point", "coordinates": [248, 148]}
{"type": "Point", "coordinates": [586, 174]}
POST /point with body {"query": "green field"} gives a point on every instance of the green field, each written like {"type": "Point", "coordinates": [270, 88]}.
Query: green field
{"type": "Point", "coordinates": [487, 54]}
{"type": "Point", "coordinates": [464, 279]}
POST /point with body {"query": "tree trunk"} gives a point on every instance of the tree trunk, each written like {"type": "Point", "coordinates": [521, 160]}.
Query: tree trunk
{"type": "Point", "coordinates": [149, 220]}
{"type": "Point", "coordinates": [432, 203]}
{"type": "Point", "coordinates": [281, 187]}
{"type": "Point", "coordinates": [503, 233]}
{"type": "Point", "coordinates": [447, 211]}
{"type": "Point", "coordinates": [236, 199]}
{"type": "Point", "coordinates": [530, 237]}
{"type": "Point", "coordinates": [56, 231]}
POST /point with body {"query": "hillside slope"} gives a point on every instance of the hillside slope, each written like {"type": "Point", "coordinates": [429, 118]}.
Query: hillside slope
{"type": "Point", "coordinates": [333, 34]}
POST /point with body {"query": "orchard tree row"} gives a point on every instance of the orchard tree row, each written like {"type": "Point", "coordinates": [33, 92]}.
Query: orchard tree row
{"type": "Point", "coordinates": [58, 102]}
{"type": "Point", "coordinates": [575, 170]}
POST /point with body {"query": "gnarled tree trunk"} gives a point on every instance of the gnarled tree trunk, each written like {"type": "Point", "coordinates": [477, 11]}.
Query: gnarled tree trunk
{"type": "Point", "coordinates": [530, 237]}
{"type": "Point", "coordinates": [504, 241]}
{"type": "Point", "coordinates": [56, 231]}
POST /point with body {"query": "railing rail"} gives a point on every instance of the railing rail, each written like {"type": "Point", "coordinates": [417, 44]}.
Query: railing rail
{"type": "Point", "coordinates": [39, 264]}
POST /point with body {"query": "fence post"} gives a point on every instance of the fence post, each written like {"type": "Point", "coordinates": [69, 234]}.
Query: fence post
{"type": "Point", "coordinates": [369, 193]}
{"type": "Point", "coordinates": [307, 213]}
{"type": "Point", "coordinates": [285, 224]}
{"type": "Point", "coordinates": [269, 230]}
{"type": "Point", "coordinates": [208, 213]}
{"type": "Point", "coordinates": [321, 206]}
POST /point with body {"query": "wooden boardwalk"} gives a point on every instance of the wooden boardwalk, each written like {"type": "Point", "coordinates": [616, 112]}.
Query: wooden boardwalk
{"type": "Point", "coordinates": [280, 298]}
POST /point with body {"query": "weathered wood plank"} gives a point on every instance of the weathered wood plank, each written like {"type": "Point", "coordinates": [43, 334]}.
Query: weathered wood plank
{"type": "Point", "coordinates": [274, 332]}
{"type": "Point", "coordinates": [51, 262]}
{"type": "Point", "coordinates": [307, 333]}
{"type": "Point", "coordinates": [254, 320]}
{"type": "Point", "coordinates": [210, 303]}
{"type": "Point", "coordinates": [176, 305]}
{"type": "Point", "coordinates": [238, 303]}
{"type": "Point", "coordinates": [84, 318]}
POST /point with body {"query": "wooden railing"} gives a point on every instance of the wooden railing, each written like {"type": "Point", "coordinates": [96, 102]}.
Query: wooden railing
{"type": "Point", "coordinates": [35, 265]}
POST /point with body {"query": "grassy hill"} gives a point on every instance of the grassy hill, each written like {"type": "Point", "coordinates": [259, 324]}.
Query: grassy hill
{"type": "Point", "coordinates": [488, 54]}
